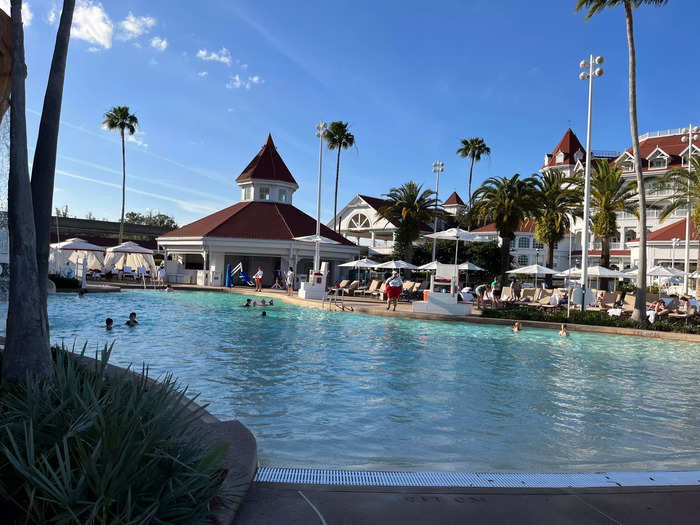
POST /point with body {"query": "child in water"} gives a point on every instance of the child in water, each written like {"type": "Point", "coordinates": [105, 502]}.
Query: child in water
{"type": "Point", "coordinates": [132, 320]}
{"type": "Point", "coordinates": [516, 326]}
{"type": "Point", "coordinates": [563, 332]}
{"type": "Point", "coordinates": [108, 323]}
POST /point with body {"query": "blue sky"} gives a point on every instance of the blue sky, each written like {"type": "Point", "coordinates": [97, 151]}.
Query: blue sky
{"type": "Point", "coordinates": [209, 80]}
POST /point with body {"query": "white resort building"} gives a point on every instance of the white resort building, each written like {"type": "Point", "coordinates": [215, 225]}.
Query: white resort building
{"type": "Point", "coordinates": [260, 230]}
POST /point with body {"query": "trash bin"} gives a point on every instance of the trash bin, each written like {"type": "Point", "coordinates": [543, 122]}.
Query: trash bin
{"type": "Point", "coordinates": [425, 294]}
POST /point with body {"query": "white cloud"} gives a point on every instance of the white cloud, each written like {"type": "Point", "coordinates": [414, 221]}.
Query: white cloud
{"type": "Point", "coordinates": [137, 138]}
{"type": "Point", "coordinates": [27, 14]}
{"type": "Point", "coordinates": [135, 26]}
{"type": "Point", "coordinates": [202, 74]}
{"type": "Point", "coordinates": [52, 16]}
{"type": "Point", "coordinates": [159, 43]}
{"type": "Point", "coordinates": [91, 23]}
{"type": "Point", "coordinates": [235, 82]}
{"type": "Point", "coordinates": [244, 67]}
{"type": "Point", "coordinates": [223, 56]}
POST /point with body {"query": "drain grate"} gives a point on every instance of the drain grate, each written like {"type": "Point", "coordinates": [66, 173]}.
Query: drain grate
{"type": "Point", "coordinates": [474, 479]}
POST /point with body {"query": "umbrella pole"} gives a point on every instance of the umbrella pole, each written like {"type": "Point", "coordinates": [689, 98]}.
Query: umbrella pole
{"type": "Point", "coordinates": [454, 285]}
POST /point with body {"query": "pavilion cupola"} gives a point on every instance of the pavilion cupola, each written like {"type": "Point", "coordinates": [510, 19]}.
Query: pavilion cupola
{"type": "Point", "coordinates": [267, 178]}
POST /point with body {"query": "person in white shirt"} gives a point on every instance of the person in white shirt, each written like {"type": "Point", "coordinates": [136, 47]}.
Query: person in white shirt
{"type": "Point", "coordinates": [290, 281]}
{"type": "Point", "coordinates": [258, 279]}
{"type": "Point", "coordinates": [394, 285]}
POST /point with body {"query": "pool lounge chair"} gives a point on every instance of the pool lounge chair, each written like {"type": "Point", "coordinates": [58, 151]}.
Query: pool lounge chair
{"type": "Point", "coordinates": [349, 290]}
{"type": "Point", "coordinates": [128, 272]}
{"type": "Point", "coordinates": [374, 285]}
{"type": "Point", "coordinates": [333, 290]}
{"type": "Point", "coordinates": [379, 294]}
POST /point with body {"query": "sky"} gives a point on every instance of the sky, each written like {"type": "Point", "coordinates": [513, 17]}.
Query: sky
{"type": "Point", "coordinates": [209, 80]}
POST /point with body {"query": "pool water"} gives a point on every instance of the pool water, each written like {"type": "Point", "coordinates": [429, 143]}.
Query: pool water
{"type": "Point", "coordinates": [330, 389]}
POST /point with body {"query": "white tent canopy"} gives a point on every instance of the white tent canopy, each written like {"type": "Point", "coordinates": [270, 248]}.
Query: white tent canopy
{"type": "Point", "coordinates": [469, 266]}
{"type": "Point", "coordinates": [360, 263]}
{"type": "Point", "coordinates": [571, 272]}
{"type": "Point", "coordinates": [75, 250]}
{"type": "Point", "coordinates": [534, 269]}
{"type": "Point", "coordinates": [129, 254]}
{"type": "Point", "coordinates": [397, 265]}
{"type": "Point", "coordinates": [602, 271]}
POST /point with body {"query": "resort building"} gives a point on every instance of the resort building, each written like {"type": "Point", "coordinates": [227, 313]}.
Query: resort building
{"type": "Point", "coordinates": [260, 230]}
{"type": "Point", "coordinates": [360, 220]}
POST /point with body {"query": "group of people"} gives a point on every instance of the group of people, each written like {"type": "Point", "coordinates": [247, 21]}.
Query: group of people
{"type": "Point", "coordinates": [249, 303]}
{"type": "Point", "coordinates": [289, 280]}
{"type": "Point", "coordinates": [563, 332]}
{"type": "Point", "coordinates": [131, 321]}
{"type": "Point", "coordinates": [661, 308]}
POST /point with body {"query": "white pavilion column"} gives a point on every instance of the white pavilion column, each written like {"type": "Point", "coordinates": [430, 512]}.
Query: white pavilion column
{"type": "Point", "coordinates": [374, 240]}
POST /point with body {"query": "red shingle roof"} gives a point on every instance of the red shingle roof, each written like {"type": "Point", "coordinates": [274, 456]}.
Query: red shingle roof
{"type": "Point", "coordinates": [675, 230]}
{"type": "Point", "coordinates": [671, 145]}
{"type": "Point", "coordinates": [526, 226]}
{"type": "Point", "coordinates": [256, 220]}
{"type": "Point", "coordinates": [267, 165]}
{"type": "Point", "coordinates": [600, 252]}
{"type": "Point", "coordinates": [453, 199]}
{"type": "Point", "coordinates": [568, 145]}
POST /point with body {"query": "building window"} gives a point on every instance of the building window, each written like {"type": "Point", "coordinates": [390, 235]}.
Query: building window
{"type": "Point", "coordinates": [283, 195]}
{"type": "Point", "coordinates": [265, 193]}
{"type": "Point", "coordinates": [523, 260]}
{"type": "Point", "coordinates": [248, 193]}
{"type": "Point", "coordinates": [560, 157]}
{"type": "Point", "coordinates": [539, 245]}
{"type": "Point", "coordinates": [359, 221]}
{"type": "Point", "coordinates": [627, 166]}
{"type": "Point", "coordinates": [658, 163]}
{"type": "Point", "coordinates": [523, 242]}
{"type": "Point", "coordinates": [556, 245]}
{"type": "Point", "coordinates": [512, 244]}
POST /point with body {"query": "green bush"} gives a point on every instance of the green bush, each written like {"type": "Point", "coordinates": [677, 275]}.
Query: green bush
{"type": "Point", "coordinates": [84, 448]}
{"type": "Point", "coordinates": [62, 283]}
{"type": "Point", "coordinates": [588, 318]}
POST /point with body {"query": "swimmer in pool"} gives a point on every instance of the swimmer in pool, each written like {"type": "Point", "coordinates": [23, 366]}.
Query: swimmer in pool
{"type": "Point", "coordinates": [516, 326]}
{"type": "Point", "coordinates": [563, 332]}
{"type": "Point", "coordinates": [132, 320]}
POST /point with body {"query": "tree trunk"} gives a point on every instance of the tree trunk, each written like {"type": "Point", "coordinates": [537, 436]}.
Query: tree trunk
{"type": "Point", "coordinates": [27, 351]}
{"type": "Point", "coordinates": [121, 223]}
{"type": "Point", "coordinates": [505, 257]}
{"type": "Point", "coordinates": [639, 313]}
{"type": "Point", "coordinates": [605, 260]}
{"type": "Point", "coordinates": [697, 270]}
{"type": "Point", "coordinates": [549, 263]}
{"type": "Point", "coordinates": [44, 166]}
{"type": "Point", "coordinates": [469, 185]}
{"type": "Point", "coordinates": [335, 199]}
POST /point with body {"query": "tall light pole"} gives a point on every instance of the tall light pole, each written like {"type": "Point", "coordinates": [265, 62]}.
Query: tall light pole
{"type": "Point", "coordinates": [438, 167]}
{"type": "Point", "coordinates": [674, 243]}
{"type": "Point", "coordinates": [320, 133]}
{"type": "Point", "coordinates": [692, 135]}
{"type": "Point", "coordinates": [597, 72]}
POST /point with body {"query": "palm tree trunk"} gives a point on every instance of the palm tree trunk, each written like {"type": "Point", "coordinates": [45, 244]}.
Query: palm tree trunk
{"type": "Point", "coordinates": [44, 166]}
{"type": "Point", "coordinates": [549, 263]}
{"type": "Point", "coordinates": [469, 185]}
{"type": "Point", "coordinates": [335, 199]}
{"type": "Point", "coordinates": [639, 313]}
{"type": "Point", "coordinates": [505, 257]}
{"type": "Point", "coordinates": [121, 223]}
{"type": "Point", "coordinates": [605, 260]}
{"type": "Point", "coordinates": [27, 344]}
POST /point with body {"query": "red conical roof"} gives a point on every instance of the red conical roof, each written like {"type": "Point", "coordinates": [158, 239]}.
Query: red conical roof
{"type": "Point", "coordinates": [568, 145]}
{"type": "Point", "coordinates": [267, 165]}
{"type": "Point", "coordinates": [453, 199]}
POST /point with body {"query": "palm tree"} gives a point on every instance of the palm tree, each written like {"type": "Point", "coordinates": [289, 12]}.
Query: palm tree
{"type": "Point", "coordinates": [506, 202]}
{"type": "Point", "coordinates": [409, 207]}
{"type": "Point", "coordinates": [27, 352]}
{"type": "Point", "coordinates": [338, 137]}
{"type": "Point", "coordinates": [119, 118]}
{"type": "Point", "coordinates": [610, 194]}
{"type": "Point", "coordinates": [685, 185]}
{"type": "Point", "coordinates": [473, 148]}
{"type": "Point", "coordinates": [593, 7]}
{"type": "Point", "coordinates": [559, 199]}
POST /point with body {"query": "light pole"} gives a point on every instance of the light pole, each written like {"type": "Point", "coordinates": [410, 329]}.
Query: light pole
{"type": "Point", "coordinates": [597, 72]}
{"type": "Point", "coordinates": [438, 167]}
{"type": "Point", "coordinates": [537, 263]}
{"type": "Point", "coordinates": [674, 243]}
{"type": "Point", "coordinates": [692, 135]}
{"type": "Point", "coordinates": [320, 133]}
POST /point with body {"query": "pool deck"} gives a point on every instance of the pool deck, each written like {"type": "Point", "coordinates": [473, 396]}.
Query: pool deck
{"type": "Point", "coordinates": [367, 305]}
{"type": "Point", "coordinates": [279, 504]}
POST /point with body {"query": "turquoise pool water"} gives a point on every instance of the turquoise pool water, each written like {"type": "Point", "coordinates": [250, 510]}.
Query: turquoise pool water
{"type": "Point", "coordinates": [322, 389]}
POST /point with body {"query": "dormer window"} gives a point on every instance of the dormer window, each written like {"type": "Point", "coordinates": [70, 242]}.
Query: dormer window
{"type": "Point", "coordinates": [248, 193]}
{"type": "Point", "coordinates": [658, 163]}
{"type": "Point", "coordinates": [264, 193]}
{"type": "Point", "coordinates": [560, 157]}
{"type": "Point", "coordinates": [283, 195]}
{"type": "Point", "coordinates": [627, 166]}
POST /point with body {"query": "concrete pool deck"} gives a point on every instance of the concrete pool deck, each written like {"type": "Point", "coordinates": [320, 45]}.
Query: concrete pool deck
{"type": "Point", "coordinates": [371, 306]}
{"type": "Point", "coordinates": [278, 504]}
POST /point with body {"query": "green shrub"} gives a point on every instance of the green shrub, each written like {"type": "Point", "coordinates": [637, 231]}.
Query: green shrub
{"type": "Point", "coordinates": [588, 318]}
{"type": "Point", "coordinates": [62, 283]}
{"type": "Point", "coordinates": [84, 448]}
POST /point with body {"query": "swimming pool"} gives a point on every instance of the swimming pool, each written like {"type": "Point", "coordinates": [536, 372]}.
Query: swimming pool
{"type": "Point", "coordinates": [327, 389]}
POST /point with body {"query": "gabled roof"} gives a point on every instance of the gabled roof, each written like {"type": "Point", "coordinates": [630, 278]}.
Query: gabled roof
{"type": "Point", "coordinates": [675, 230]}
{"type": "Point", "coordinates": [526, 226]}
{"type": "Point", "coordinates": [568, 145]}
{"type": "Point", "coordinates": [657, 149]}
{"type": "Point", "coordinates": [453, 200]}
{"type": "Point", "coordinates": [256, 220]}
{"type": "Point", "coordinates": [374, 202]}
{"type": "Point", "coordinates": [267, 165]}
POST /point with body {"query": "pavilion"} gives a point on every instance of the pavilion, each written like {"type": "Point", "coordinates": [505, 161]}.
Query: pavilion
{"type": "Point", "coordinates": [260, 230]}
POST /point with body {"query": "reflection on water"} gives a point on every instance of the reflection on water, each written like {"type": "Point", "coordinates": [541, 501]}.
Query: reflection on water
{"type": "Point", "coordinates": [346, 390]}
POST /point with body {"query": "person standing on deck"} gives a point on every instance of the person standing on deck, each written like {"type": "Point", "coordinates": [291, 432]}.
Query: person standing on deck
{"type": "Point", "coordinates": [290, 281]}
{"type": "Point", "coordinates": [258, 279]}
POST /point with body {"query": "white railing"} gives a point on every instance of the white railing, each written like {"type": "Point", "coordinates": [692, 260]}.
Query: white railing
{"type": "Point", "coordinates": [662, 133]}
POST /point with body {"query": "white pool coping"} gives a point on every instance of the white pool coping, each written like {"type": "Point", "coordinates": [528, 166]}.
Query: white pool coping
{"type": "Point", "coordinates": [476, 479]}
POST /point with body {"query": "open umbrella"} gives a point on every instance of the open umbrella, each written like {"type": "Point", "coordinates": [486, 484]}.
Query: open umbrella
{"type": "Point", "coordinates": [359, 264]}
{"type": "Point", "coordinates": [571, 272]}
{"type": "Point", "coordinates": [662, 271]}
{"type": "Point", "coordinates": [601, 271]}
{"type": "Point", "coordinates": [534, 269]}
{"type": "Point", "coordinates": [316, 238]}
{"type": "Point", "coordinates": [396, 265]}
{"type": "Point", "coordinates": [468, 266]}
{"type": "Point", "coordinates": [457, 234]}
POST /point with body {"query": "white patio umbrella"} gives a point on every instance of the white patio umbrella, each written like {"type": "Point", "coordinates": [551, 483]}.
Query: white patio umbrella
{"type": "Point", "coordinates": [570, 272]}
{"type": "Point", "coordinates": [359, 264]}
{"type": "Point", "coordinates": [316, 238]}
{"type": "Point", "coordinates": [429, 266]}
{"type": "Point", "coordinates": [129, 254]}
{"type": "Point", "coordinates": [601, 271]}
{"type": "Point", "coordinates": [694, 275]}
{"type": "Point", "coordinates": [457, 234]}
{"type": "Point", "coordinates": [534, 269]}
{"type": "Point", "coordinates": [630, 273]}
{"type": "Point", "coordinates": [397, 265]}
{"type": "Point", "coordinates": [468, 266]}
{"type": "Point", "coordinates": [662, 271]}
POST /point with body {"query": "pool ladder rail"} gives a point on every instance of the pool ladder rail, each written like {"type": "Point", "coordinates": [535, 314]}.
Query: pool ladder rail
{"type": "Point", "coordinates": [332, 300]}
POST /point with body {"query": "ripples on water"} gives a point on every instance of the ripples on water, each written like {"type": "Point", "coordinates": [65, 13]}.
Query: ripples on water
{"type": "Point", "coordinates": [356, 391]}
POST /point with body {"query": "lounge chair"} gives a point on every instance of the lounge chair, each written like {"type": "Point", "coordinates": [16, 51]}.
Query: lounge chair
{"type": "Point", "coordinates": [380, 293]}
{"type": "Point", "coordinates": [406, 289]}
{"type": "Point", "coordinates": [506, 294]}
{"type": "Point", "coordinates": [128, 272]}
{"type": "Point", "coordinates": [527, 297]}
{"type": "Point", "coordinates": [417, 292]}
{"type": "Point", "coordinates": [374, 285]}
{"type": "Point", "coordinates": [349, 290]}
